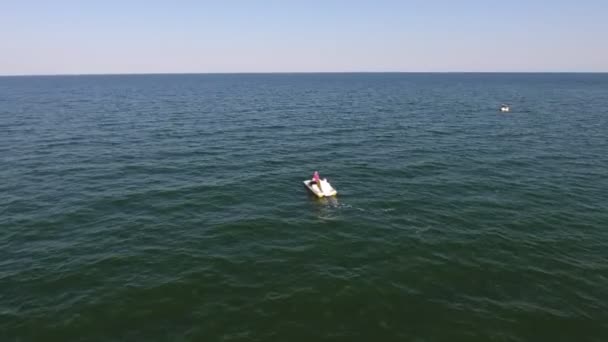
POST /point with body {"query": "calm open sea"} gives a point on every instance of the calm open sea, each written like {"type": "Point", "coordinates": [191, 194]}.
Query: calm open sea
{"type": "Point", "coordinates": [171, 207]}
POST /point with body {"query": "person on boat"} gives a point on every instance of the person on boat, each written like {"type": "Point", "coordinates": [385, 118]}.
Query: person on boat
{"type": "Point", "coordinates": [317, 180]}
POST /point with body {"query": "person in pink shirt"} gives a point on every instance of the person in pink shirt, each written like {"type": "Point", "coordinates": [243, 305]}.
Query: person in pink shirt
{"type": "Point", "coordinates": [317, 180]}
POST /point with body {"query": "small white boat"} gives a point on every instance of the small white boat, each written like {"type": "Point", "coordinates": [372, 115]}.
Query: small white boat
{"type": "Point", "coordinates": [327, 188]}
{"type": "Point", "coordinates": [505, 108]}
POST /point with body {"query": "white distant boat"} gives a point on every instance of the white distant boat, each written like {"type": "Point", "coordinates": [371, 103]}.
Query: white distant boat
{"type": "Point", "coordinates": [505, 108]}
{"type": "Point", "coordinates": [326, 189]}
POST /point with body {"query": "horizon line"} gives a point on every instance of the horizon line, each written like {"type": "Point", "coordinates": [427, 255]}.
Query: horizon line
{"type": "Point", "coordinates": [298, 72]}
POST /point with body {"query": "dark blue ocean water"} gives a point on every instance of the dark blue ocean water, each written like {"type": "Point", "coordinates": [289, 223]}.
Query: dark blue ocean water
{"type": "Point", "coordinates": [171, 208]}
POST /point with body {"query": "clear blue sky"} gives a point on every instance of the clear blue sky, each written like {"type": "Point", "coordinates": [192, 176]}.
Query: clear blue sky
{"type": "Point", "coordinates": [67, 37]}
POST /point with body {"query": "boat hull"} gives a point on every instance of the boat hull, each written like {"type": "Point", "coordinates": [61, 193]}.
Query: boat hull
{"type": "Point", "coordinates": [329, 190]}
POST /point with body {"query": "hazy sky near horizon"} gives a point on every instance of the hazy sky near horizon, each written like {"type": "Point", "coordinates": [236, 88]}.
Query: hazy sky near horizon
{"type": "Point", "coordinates": [137, 36]}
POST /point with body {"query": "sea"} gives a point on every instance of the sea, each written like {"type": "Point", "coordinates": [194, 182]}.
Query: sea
{"type": "Point", "coordinates": [171, 207]}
